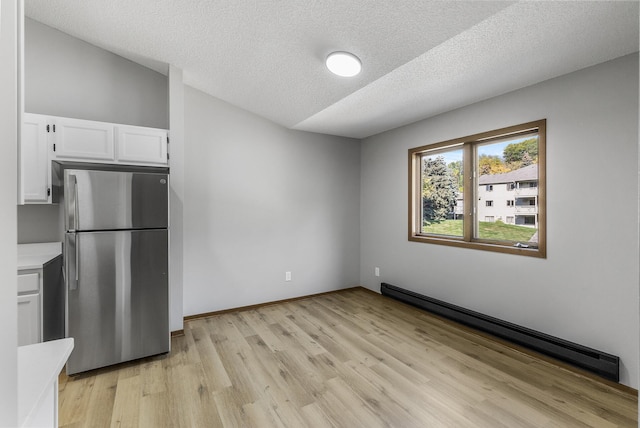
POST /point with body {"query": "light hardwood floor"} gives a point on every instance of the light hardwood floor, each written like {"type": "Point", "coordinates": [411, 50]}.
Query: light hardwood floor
{"type": "Point", "coordinates": [345, 359]}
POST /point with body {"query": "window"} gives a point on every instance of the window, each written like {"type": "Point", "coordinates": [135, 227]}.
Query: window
{"type": "Point", "coordinates": [448, 181]}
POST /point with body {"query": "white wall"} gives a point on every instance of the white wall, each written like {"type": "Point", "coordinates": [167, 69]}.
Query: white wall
{"type": "Point", "coordinates": [65, 76]}
{"type": "Point", "coordinates": [586, 290]}
{"type": "Point", "coordinates": [261, 200]}
{"type": "Point", "coordinates": [9, 13]}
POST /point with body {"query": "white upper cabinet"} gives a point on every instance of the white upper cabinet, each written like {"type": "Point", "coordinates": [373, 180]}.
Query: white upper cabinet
{"type": "Point", "coordinates": [83, 140]}
{"type": "Point", "coordinates": [90, 141]}
{"type": "Point", "coordinates": [34, 156]}
{"type": "Point", "coordinates": [136, 144]}
{"type": "Point", "coordinates": [47, 138]}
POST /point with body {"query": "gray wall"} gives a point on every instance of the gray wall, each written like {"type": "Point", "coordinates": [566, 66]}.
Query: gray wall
{"type": "Point", "coordinates": [176, 197]}
{"type": "Point", "coordinates": [65, 76]}
{"type": "Point", "coordinates": [586, 290]}
{"type": "Point", "coordinates": [39, 223]}
{"type": "Point", "coordinates": [261, 200]}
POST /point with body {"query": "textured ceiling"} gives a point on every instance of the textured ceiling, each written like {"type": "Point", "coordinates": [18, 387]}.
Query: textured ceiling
{"type": "Point", "coordinates": [420, 58]}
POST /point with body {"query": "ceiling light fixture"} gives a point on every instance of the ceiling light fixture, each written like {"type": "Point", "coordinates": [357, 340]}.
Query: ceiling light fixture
{"type": "Point", "coordinates": [344, 64]}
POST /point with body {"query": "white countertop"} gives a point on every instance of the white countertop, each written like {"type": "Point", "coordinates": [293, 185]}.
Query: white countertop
{"type": "Point", "coordinates": [34, 256]}
{"type": "Point", "coordinates": [38, 368]}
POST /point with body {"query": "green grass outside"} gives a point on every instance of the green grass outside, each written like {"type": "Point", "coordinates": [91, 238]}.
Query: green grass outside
{"type": "Point", "coordinates": [488, 230]}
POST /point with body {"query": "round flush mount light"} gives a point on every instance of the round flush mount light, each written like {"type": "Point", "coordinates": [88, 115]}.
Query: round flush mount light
{"type": "Point", "coordinates": [343, 64]}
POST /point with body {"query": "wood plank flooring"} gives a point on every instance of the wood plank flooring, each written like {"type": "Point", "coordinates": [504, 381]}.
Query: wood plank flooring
{"type": "Point", "coordinates": [346, 359]}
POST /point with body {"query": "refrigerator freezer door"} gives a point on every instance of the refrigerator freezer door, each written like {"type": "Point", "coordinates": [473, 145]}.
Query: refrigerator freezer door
{"type": "Point", "coordinates": [106, 200]}
{"type": "Point", "coordinates": [118, 310]}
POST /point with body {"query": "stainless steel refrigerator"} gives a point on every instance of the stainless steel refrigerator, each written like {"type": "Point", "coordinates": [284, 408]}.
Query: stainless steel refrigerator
{"type": "Point", "coordinates": [116, 263]}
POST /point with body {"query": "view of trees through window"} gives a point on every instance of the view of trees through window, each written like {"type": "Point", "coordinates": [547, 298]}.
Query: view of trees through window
{"type": "Point", "coordinates": [442, 175]}
{"type": "Point", "coordinates": [506, 198]}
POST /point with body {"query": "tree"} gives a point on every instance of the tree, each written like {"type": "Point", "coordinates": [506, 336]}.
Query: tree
{"type": "Point", "coordinates": [439, 189]}
{"type": "Point", "coordinates": [457, 172]}
{"type": "Point", "coordinates": [488, 164]}
{"type": "Point", "coordinates": [514, 152]}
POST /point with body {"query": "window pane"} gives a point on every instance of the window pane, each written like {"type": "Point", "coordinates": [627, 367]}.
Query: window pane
{"type": "Point", "coordinates": [509, 211]}
{"type": "Point", "coordinates": [441, 180]}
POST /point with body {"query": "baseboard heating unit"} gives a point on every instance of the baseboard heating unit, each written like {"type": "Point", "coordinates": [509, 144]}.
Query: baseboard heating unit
{"type": "Point", "coordinates": [600, 363]}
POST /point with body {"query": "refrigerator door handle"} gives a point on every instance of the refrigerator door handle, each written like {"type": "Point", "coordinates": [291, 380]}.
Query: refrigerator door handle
{"type": "Point", "coordinates": [71, 210]}
{"type": "Point", "coordinates": [72, 262]}
{"type": "Point", "coordinates": [77, 263]}
{"type": "Point", "coordinates": [76, 222]}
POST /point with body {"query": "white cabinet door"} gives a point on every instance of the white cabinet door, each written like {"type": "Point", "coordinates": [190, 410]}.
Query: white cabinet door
{"type": "Point", "coordinates": [137, 144]}
{"type": "Point", "coordinates": [34, 158]}
{"type": "Point", "coordinates": [83, 140]}
{"type": "Point", "coordinates": [28, 319]}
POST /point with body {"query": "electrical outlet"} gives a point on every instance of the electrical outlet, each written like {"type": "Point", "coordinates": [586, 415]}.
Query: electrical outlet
{"type": "Point", "coordinates": [377, 271]}
{"type": "Point", "coordinates": [287, 276]}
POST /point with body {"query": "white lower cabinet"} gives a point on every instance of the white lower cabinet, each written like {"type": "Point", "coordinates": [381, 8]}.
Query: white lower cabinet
{"type": "Point", "coordinates": [29, 312]}
{"type": "Point", "coordinates": [29, 319]}
{"type": "Point", "coordinates": [40, 293]}
{"type": "Point", "coordinates": [38, 368]}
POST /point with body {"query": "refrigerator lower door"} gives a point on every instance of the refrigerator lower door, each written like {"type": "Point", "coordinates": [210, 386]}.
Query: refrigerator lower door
{"type": "Point", "coordinates": [117, 296]}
